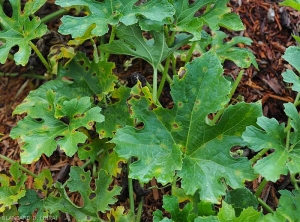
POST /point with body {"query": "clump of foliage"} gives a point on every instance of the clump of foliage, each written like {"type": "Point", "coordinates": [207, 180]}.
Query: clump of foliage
{"type": "Point", "coordinates": [84, 110]}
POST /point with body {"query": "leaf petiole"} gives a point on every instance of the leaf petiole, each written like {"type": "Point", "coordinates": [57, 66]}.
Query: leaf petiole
{"type": "Point", "coordinates": [53, 15]}
{"type": "Point", "coordinates": [190, 53]}
{"type": "Point", "coordinates": [20, 166]}
{"type": "Point", "coordinates": [41, 57]}
{"type": "Point", "coordinates": [233, 89]}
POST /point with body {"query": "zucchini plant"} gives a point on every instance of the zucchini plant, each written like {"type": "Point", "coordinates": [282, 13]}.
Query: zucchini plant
{"type": "Point", "coordinates": [126, 132]}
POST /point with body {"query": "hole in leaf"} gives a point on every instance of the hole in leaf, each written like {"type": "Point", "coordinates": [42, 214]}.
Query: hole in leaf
{"type": "Point", "coordinates": [58, 138]}
{"type": "Point", "coordinates": [92, 196]}
{"type": "Point", "coordinates": [94, 74]}
{"type": "Point", "coordinates": [86, 68]}
{"type": "Point", "coordinates": [136, 97]}
{"type": "Point", "coordinates": [65, 120]}
{"type": "Point", "coordinates": [81, 62]}
{"type": "Point", "coordinates": [152, 106]}
{"type": "Point", "coordinates": [139, 125]}
{"type": "Point", "coordinates": [79, 115]}
{"type": "Point", "coordinates": [7, 8]}
{"type": "Point", "coordinates": [38, 119]}
{"type": "Point", "coordinates": [44, 187]}
{"type": "Point", "coordinates": [82, 177]}
{"type": "Point", "coordinates": [180, 104]}
{"type": "Point", "coordinates": [175, 126]}
{"type": "Point", "coordinates": [87, 148]}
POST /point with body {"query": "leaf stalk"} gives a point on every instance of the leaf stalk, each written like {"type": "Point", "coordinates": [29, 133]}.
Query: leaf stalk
{"type": "Point", "coordinates": [41, 57]}
{"type": "Point", "coordinates": [20, 166]}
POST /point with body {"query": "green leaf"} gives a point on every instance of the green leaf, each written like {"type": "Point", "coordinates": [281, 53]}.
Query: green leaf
{"type": "Point", "coordinates": [290, 77]}
{"type": "Point", "coordinates": [172, 206]}
{"type": "Point", "coordinates": [12, 188]}
{"type": "Point", "coordinates": [183, 130]}
{"type": "Point", "coordinates": [32, 206]}
{"type": "Point", "coordinates": [185, 19]}
{"type": "Point", "coordinates": [281, 161]}
{"type": "Point", "coordinates": [131, 42]}
{"type": "Point", "coordinates": [116, 114]}
{"type": "Point", "coordinates": [272, 136]}
{"type": "Point", "coordinates": [96, 79]}
{"type": "Point", "coordinates": [249, 214]}
{"type": "Point", "coordinates": [56, 203]}
{"type": "Point", "coordinates": [44, 128]}
{"type": "Point", "coordinates": [226, 51]}
{"type": "Point", "coordinates": [110, 162]}
{"type": "Point", "coordinates": [118, 215]}
{"type": "Point", "coordinates": [227, 213]}
{"type": "Point", "coordinates": [20, 29]}
{"type": "Point", "coordinates": [220, 16]}
{"type": "Point", "coordinates": [291, 54]}
{"type": "Point", "coordinates": [95, 201]}
{"type": "Point", "coordinates": [43, 182]}
{"type": "Point", "coordinates": [288, 208]}
{"type": "Point", "coordinates": [240, 199]}
{"type": "Point", "coordinates": [158, 217]}
{"type": "Point", "coordinates": [9, 214]}
{"type": "Point", "coordinates": [291, 3]}
{"type": "Point", "coordinates": [111, 12]}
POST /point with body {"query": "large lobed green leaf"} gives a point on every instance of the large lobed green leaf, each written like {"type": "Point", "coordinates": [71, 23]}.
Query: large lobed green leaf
{"type": "Point", "coordinates": [95, 201]}
{"type": "Point", "coordinates": [111, 12]}
{"type": "Point", "coordinates": [131, 42]}
{"type": "Point", "coordinates": [272, 135]}
{"type": "Point", "coordinates": [94, 79]}
{"type": "Point", "coordinates": [20, 29]}
{"type": "Point", "coordinates": [288, 208]}
{"type": "Point", "coordinates": [180, 140]}
{"type": "Point", "coordinates": [11, 188]}
{"type": "Point", "coordinates": [44, 129]}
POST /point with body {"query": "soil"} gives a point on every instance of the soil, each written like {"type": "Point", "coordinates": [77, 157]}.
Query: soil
{"type": "Point", "coordinates": [266, 23]}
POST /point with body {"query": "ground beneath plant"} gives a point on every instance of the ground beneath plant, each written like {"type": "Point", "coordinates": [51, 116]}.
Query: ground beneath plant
{"type": "Point", "coordinates": [267, 24]}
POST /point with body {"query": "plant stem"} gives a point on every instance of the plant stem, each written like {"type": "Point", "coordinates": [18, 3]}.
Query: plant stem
{"type": "Point", "coordinates": [31, 75]}
{"type": "Point", "coordinates": [10, 56]}
{"type": "Point", "coordinates": [130, 189]}
{"type": "Point", "coordinates": [95, 53]}
{"type": "Point", "coordinates": [265, 206]}
{"type": "Point", "coordinates": [174, 65]}
{"type": "Point", "coordinates": [154, 92]}
{"type": "Point", "coordinates": [261, 187]}
{"type": "Point", "coordinates": [190, 53]}
{"type": "Point", "coordinates": [140, 210]}
{"type": "Point", "coordinates": [41, 57]}
{"type": "Point", "coordinates": [164, 77]}
{"type": "Point", "coordinates": [111, 38]}
{"type": "Point", "coordinates": [102, 54]}
{"type": "Point", "coordinates": [53, 15]}
{"type": "Point", "coordinates": [294, 181]}
{"type": "Point", "coordinates": [20, 166]}
{"type": "Point", "coordinates": [233, 89]}
{"type": "Point", "coordinates": [259, 155]}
